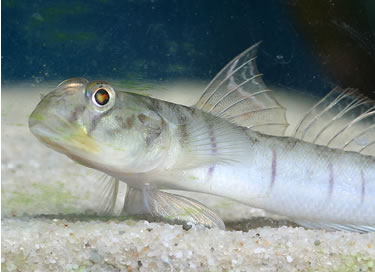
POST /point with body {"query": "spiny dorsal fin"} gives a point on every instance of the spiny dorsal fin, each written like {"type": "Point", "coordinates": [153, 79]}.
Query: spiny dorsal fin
{"type": "Point", "coordinates": [343, 119]}
{"type": "Point", "coordinates": [238, 94]}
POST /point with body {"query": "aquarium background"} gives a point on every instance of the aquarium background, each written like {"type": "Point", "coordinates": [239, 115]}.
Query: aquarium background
{"type": "Point", "coordinates": [168, 49]}
{"type": "Point", "coordinates": [310, 45]}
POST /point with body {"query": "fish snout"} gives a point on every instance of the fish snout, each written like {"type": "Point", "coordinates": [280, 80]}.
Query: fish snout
{"type": "Point", "coordinates": [41, 123]}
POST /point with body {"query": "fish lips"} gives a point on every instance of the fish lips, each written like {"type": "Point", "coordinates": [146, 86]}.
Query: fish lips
{"type": "Point", "coordinates": [45, 133]}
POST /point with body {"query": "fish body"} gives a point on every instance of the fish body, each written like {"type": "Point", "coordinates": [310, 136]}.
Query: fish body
{"type": "Point", "coordinates": [229, 144]}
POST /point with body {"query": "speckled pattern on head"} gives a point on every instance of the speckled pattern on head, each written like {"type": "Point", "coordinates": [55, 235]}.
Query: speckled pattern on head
{"type": "Point", "coordinates": [100, 136]}
{"type": "Point", "coordinates": [229, 144]}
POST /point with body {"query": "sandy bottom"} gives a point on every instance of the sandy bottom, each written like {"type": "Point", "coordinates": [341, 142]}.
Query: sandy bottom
{"type": "Point", "coordinates": [49, 220]}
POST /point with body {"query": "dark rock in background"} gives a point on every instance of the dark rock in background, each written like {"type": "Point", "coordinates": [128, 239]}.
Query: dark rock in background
{"type": "Point", "coordinates": [341, 36]}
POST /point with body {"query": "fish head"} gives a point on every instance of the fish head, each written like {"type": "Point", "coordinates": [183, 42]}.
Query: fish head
{"type": "Point", "coordinates": [99, 127]}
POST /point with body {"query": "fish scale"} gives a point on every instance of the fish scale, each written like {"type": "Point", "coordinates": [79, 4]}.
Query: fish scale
{"type": "Point", "coordinates": [303, 182]}
{"type": "Point", "coordinates": [230, 144]}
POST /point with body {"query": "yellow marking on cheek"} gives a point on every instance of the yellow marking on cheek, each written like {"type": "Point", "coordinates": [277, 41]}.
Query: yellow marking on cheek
{"type": "Point", "coordinates": [193, 177]}
{"type": "Point", "coordinates": [37, 116]}
{"type": "Point", "coordinates": [121, 149]}
{"type": "Point", "coordinates": [83, 141]}
{"type": "Point", "coordinates": [84, 129]}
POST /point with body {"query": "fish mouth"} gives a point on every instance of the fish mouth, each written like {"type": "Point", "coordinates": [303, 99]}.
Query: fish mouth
{"type": "Point", "coordinates": [57, 133]}
{"type": "Point", "coordinates": [47, 136]}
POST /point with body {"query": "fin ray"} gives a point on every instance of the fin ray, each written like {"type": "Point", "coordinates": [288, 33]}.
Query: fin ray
{"type": "Point", "coordinates": [229, 92]}
{"type": "Point", "coordinates": [239, 88]}
{"type": "Point", "coordinates": [336, 227]}
{"type": "Point", "coordinates": [228, 107]}
{"type": "Point", "coordinates": [108, 194]}
{"type": "Point", "coordinates": [171, 208]}
{"type": "Point", "coordinates": [342, 119]}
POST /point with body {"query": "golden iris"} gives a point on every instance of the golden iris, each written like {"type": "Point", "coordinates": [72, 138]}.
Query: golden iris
{"type": "Point", "coordinates": [102, 97]}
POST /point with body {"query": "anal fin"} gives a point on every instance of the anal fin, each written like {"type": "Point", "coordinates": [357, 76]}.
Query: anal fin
{"type": "Point", "coordinates": [171, 208]}
{"type": "Point", "coordinates": [335, 227]}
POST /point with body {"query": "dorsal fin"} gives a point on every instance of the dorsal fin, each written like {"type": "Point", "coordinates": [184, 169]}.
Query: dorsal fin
{"type": "Point", "coordinates": [238, 94]}
{"type": "Point", "coordinates": [343, 119]}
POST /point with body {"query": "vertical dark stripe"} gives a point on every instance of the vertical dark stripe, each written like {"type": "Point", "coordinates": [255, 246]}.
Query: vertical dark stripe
{"type": "Point", "coordinates": [211, 171]}
{"type": "Point", "coordinates": [213, 147]}
{"type": "Point", "coordinates": [184, 135]}
{"type": "Point", "coordinates": [363, 187]}
{"type": "Point", "coordinates": [273, 169]}
{"type": "Point", "coordinates": [212, 138]}
{"type": "Point", "coordinates": [76, 112]}
{"type": "Point", "coordinates": [125, 124]}
{"type": "Point", "coordinates": [153, 129]}
{"type": "Point", "coordinates": [331, 179]}
{"type": "Point", "coordinates": [96, 120]}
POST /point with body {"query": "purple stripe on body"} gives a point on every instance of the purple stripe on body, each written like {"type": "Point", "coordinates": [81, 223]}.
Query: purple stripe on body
{"type": "Point", "coordinates": [363, 188]}
{"type": "Point", "coordinates": [212, 139]}
{"type": "Point", "coordinates": [213, 148]}
{"type": "Point", "coordinates": [273, 169]}
{"type": "Point", "coordinates": [211, 171]}
{"type": "Point", "coordinates": [331, 179]}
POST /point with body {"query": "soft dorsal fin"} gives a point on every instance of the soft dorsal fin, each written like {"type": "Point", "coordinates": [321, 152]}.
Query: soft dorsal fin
{"type": "Point", "coordinates": [343, 119]}
{"type": "Point", "coordinates": [237, 93]}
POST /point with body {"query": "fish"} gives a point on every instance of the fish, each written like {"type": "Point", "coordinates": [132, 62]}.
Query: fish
{"type": "Point", "coordinates": [231, 143]}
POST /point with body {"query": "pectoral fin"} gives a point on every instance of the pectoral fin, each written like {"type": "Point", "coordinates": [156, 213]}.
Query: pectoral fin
{"type": "Point", "coordinates": [108, 188]}
{"type": "Point", "coordinates": [169, 208]}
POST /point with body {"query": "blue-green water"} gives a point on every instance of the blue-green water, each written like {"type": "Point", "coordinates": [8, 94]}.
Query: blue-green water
{"type": "Point", "coordinates": [312, 45]}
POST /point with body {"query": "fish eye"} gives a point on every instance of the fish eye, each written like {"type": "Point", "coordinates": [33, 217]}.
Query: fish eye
{"type": "Point", "coordinates": [101, 97]}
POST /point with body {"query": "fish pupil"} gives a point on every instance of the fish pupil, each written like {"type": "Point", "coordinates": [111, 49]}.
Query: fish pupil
{"type": "Point", "coordinates": [101, 97]}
